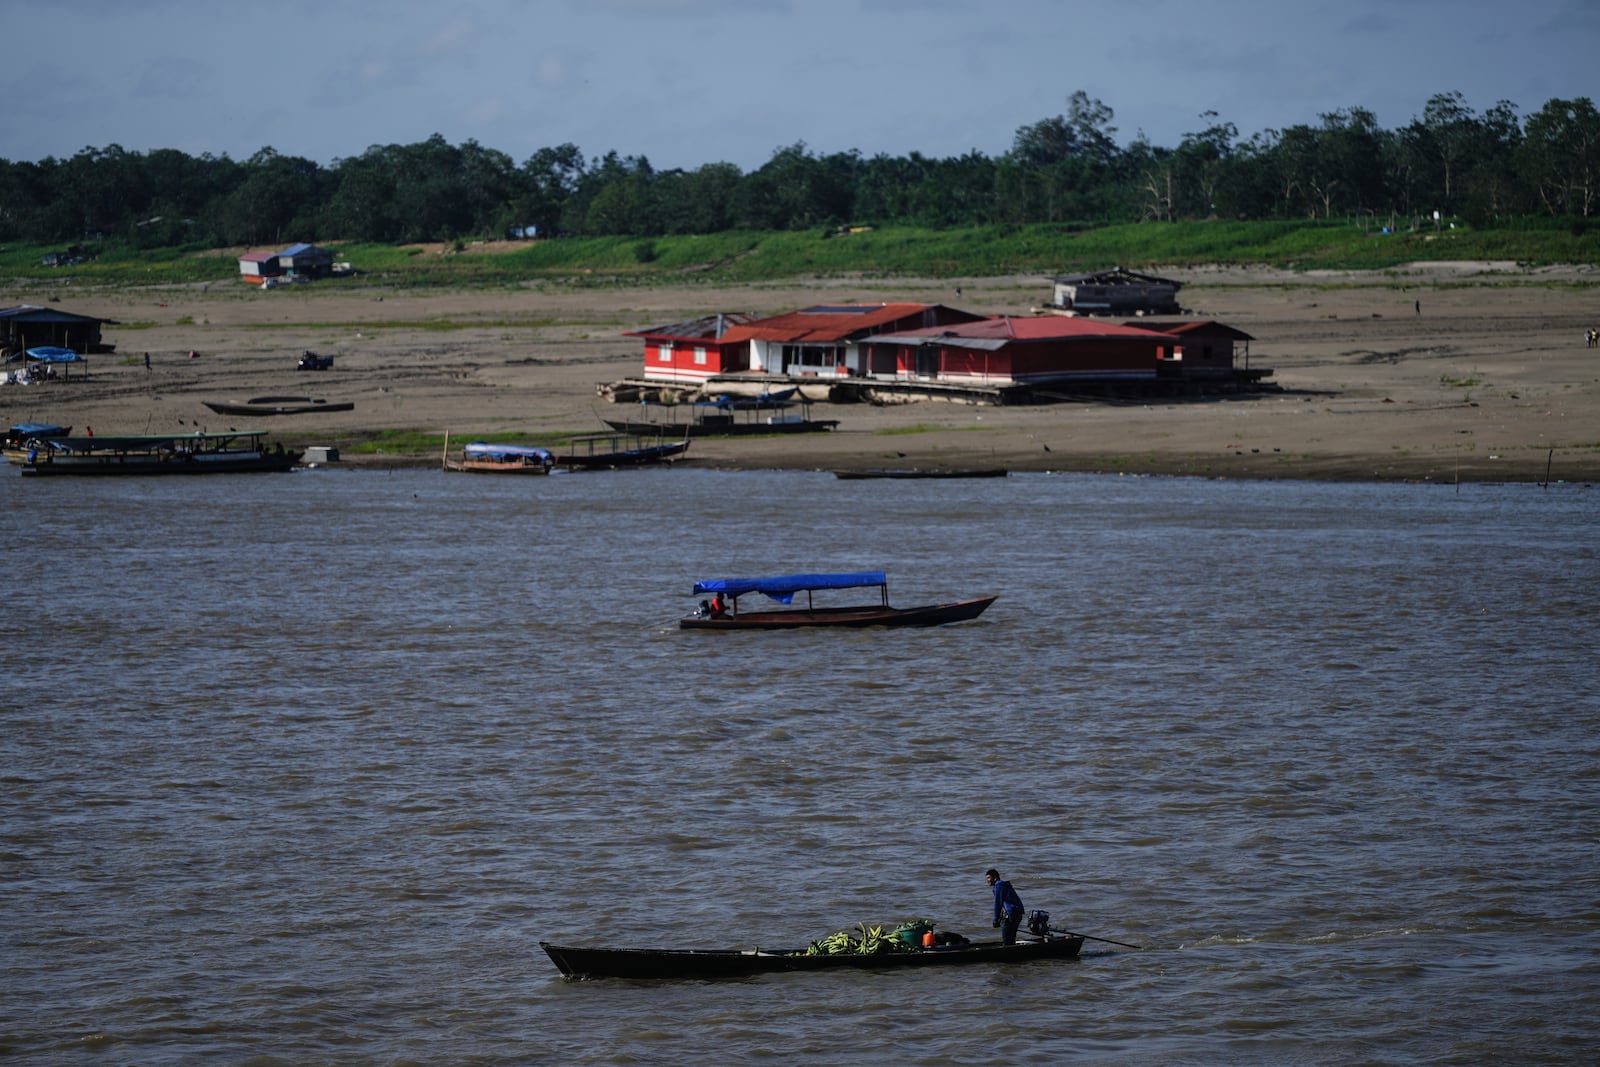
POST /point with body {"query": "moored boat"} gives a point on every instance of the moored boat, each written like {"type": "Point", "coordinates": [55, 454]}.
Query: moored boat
{"type": "Point", "coordinates": [278, 405]}
{"type": "Point", "coordinates": [574, 962]}
{"type": "Point", "coordinates": [23, 432]}
{"type": "Point", "coordinates": [235, 452]}
{"type": "Point", "coordinates": [725, 425]}
{"type": "Point", "coordinates": [605, 451]}
{"type": "Point", "coordinates": [783, 590]}
{"type": "Point", "coordinates": [921, 472]}
{"type": "Point", "coordinates": [482, 457]}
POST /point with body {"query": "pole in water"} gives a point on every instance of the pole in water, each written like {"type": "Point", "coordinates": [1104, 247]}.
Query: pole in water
{"type": "Point", "coordinates": [1091, 937]}
{"type": "Point", "coordinates": [1547, 461]}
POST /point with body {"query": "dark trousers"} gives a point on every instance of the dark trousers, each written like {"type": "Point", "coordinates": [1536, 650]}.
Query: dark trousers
{"type": "Point", "coordinates": [1008, 927]}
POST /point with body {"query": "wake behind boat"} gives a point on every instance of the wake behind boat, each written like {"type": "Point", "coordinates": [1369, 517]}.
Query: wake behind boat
{"type": "Point", "coordinates": [727, 616]}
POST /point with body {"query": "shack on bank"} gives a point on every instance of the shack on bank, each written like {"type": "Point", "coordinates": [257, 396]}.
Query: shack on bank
{"type": "Point", "coordinates": [30, 326]}
{"type": "Point", "coordinates": [1117, 291]}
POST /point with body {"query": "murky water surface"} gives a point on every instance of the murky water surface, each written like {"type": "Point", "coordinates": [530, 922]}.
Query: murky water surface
{"type": "Point", "coordinates": [301, 768]}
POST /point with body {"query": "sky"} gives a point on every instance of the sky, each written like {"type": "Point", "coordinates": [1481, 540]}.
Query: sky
{"type": "Point", "coordinates": [685, 83]}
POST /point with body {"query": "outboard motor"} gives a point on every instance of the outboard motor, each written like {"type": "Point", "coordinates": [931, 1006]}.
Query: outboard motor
{"type": "Point", "coordinates": [1039, 923]}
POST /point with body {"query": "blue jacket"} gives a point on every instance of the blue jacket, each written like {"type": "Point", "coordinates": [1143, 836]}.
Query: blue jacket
{"type": "Point", "coordinates": [1006, 901]}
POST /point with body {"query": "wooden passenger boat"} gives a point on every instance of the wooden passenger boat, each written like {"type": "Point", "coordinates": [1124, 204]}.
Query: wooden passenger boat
{"type": "Point", "coordinates": [278, 405]}
{"type": "Point", "coordinates": [697, 963]}
{"type": "Point", "coordinates": [607, 451]}
{"type": "Point", "coordinates": [783, 590]}
{"type": "Point", "coordinates": [718, 418]}
{"type": "Point", "coordinates": [481, 457]}
{"type": "Point", "coordinates": [235, 452]}
{"type": "Point", "coordinates": [922, 472]}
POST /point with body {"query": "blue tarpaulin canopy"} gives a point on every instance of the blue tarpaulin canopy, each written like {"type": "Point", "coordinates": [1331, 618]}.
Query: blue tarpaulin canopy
{"type": "Point", "coordinates": [481, 448]}
{"type": "Point", "coordinates": [52, 354]}
{"type": "Point", "coordinates": [783, 589]}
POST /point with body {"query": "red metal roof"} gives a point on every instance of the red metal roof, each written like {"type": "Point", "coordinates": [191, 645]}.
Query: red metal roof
{"type": "Point", "coordinates": [1188, 326]}
{"type": "Point", "coordinates": [826, 322]}
{"type": "Point", "coordinates": [1025, 328]}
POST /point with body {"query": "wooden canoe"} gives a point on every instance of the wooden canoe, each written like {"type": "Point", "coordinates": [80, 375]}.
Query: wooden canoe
{"type": "Point", "coordinates": [863, 615]}
{"type": "Point", "coordinates": [576, 962]}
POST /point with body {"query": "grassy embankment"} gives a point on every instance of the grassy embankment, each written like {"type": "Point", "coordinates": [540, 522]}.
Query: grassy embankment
{"type": "Point", "coordinates": [750, 257]}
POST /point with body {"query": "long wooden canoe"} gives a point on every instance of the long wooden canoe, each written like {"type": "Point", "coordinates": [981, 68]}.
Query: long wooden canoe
{"type": "Point", "coordinates": [921, 472]}
{"type": "Point", "coordinates": [862, 615]}
{"type": "Point", "coordinates": [698, 963]}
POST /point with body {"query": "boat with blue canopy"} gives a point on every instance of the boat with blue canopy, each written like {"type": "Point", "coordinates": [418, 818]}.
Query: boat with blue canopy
{"type": "Point", "coordinates": [722, 612]}
{"type": "Point", "coordinates": [483, 457]}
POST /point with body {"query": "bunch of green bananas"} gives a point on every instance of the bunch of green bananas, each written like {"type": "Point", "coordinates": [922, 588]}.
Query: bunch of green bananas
{"type": "Point", "coordinates": [907, 937]}
{"type": "Point", "coordinates": [833, 945]}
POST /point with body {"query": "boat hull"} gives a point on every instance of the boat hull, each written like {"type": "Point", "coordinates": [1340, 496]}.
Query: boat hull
{"type": "Point", "coordinates": [111, 465]}
{"type": "Point", "coordinates": [278, 405]}
{"type": "Point", "coordinates": [485, 466]}
{"type": "Point", "coordinates": [871, 615]}
{"type": "Point", "coordinates": [644, 456]}
{"type": "Point", "coordinates": [912, 472]}
{"type": "Point", "coordinates": [735, 429]}
{"type": "Point", "coordinates": [691, 963]}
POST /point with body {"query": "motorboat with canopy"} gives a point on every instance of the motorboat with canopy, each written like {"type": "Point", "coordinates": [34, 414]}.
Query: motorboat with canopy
{"type": "Point", "coordinates": [783, 589]}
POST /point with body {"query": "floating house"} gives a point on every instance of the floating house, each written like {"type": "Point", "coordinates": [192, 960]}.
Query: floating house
{"type": "Point", "coordinates": [825, 340]}
{"type": "Point", "coordinates": [1117, 291]}
{"type": "Point", "coordinates": [1210, 349]}
{"type": "Point", "coordinates": [1022, 351]}
{"type": "Point", "coordinates": [695, 351]}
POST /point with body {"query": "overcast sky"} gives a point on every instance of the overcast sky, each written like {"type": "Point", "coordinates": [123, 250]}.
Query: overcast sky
{"type": "Point", "coordinates": [689, 82]}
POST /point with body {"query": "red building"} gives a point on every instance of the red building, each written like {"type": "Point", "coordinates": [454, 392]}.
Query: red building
{"type": "Point", "coordinates": [692, 352]}
{"type": "Point", "coordinates": [825, 341]}
{"type": "Point", "coordinates": [1032, 350]}
{"type": "Point", "coordinates": [1210, 349]}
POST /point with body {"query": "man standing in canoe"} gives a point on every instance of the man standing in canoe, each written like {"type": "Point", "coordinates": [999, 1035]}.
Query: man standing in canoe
{"type": "Point", "coordinates": [1007, 907]}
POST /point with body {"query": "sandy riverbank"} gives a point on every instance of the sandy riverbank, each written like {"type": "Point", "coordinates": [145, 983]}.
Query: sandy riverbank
{"type": "Point", "coordinates": [1489, 380]}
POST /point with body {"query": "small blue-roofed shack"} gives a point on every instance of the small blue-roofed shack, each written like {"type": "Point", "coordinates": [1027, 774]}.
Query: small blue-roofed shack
{"type": "Point", "coordinates": [305, 261]}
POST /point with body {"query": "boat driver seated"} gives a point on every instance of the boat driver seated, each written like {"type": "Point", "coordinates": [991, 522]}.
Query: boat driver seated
{"type": "Point", "coordinates": [718, 607]}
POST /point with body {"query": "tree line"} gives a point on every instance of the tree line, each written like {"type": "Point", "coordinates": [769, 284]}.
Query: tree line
{"type": "Point", "coordinates": [1068, 168]}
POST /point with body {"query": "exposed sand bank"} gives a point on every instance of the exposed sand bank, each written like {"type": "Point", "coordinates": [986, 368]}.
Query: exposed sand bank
{"type": "Point", "coordinates": [1490, 380]}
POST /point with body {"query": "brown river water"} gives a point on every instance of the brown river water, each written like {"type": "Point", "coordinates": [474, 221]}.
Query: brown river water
{"type": "Point", "coordinates": [300, 768]}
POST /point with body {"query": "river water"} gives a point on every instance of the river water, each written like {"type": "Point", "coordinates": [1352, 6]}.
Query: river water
{"type": "Point", "coordinates": [300, 768]}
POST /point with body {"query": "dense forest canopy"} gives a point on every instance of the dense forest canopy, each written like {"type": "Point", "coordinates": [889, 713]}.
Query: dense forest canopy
{"type": "Point", "coordinates": [1068, 168]}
